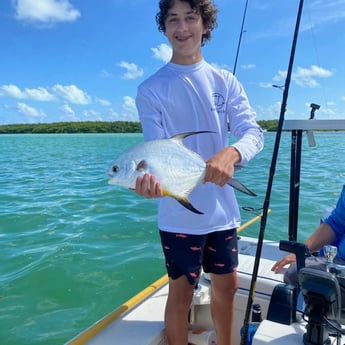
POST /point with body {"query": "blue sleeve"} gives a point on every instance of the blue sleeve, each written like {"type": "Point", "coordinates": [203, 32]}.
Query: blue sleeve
{"type": "Point", "coordinates": [336, 220]}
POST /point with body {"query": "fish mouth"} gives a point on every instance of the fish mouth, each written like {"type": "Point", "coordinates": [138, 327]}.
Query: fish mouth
{"type": "Point", "coordinates": [111, 181]}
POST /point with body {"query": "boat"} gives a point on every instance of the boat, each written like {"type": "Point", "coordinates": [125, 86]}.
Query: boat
{"type": "Point", "coordinates": [140, 320]}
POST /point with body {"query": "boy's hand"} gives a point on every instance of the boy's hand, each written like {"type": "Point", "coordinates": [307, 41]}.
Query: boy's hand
{"type": "Point", "coordinates": [148, 186]}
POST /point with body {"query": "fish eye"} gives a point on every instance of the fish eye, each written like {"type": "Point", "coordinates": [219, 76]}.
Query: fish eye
{"type": "Point", "coordinates": [116, 168]}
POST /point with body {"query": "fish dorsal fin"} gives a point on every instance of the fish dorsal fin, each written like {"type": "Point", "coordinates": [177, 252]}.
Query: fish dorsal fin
{"type": "Point", "coordinates": [179, 137]}
{"type": "Point", "coordinates": [142, 166]}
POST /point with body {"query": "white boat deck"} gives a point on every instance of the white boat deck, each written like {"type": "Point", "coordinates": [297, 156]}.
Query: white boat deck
{"type": "Point", "coordinates": [143, 325]}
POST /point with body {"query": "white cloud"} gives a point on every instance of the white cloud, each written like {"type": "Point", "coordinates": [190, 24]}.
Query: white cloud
{"type": "Point", "coordinates": [324, 12]}
{"type": "Point", "coordinates": [26, 110]}
{"type": "Point", "coordinates": [343, 98]}
{"type": "Point", "coordinates": [112, 115]}
{"type": "Point", "coordinates": [129, 110]}
{"type": "Point", "coordinates": [269, 112]}
{"type": "Point", "coordinates": [72, 94]}
{"type": "Point", "coordinates": [266, 85]}
{"type": "Point", "coordinates": [280, 76]}
{"type": "Point", "coordinates": [45, 11]}
{"type": "Point", "coordinates": [305, 77]}
{"type": "Point", "coordinates": [39, 94]}
{"type": "Point", "coordinates": [163, 52]}
{"type": "Point", "coordinates": [133, 71]}
{"type": "Point", "coordinates": [67, 99]}
{"type": "Point", "coordinates": [105, 74]}
{"type": "Point", "coordinates": [103, 102]}
{"type": "Point", "coordinates": [92, 115]}
{"type": "Point", "coordinates": [67, 110]}
{"type": "Point", "coordinates": [249, 66]}
{"type": "Point", "coordinates": [12, 91]}
{"type": "Point", "coordinates": [220, 66]}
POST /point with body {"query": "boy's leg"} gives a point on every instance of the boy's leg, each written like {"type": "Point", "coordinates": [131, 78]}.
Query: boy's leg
{"type": "Point", "coordinates": [223, 290]}
{"type": "Point", "coordinates": [183, 256]}
{"type": "Point", "coordinates": [177, 309]}
{"type": "Point", "coordinates": [221, 261]}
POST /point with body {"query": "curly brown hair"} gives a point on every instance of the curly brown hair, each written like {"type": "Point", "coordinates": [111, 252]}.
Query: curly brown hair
{"type": "Point", "coordinates": [206, 8]}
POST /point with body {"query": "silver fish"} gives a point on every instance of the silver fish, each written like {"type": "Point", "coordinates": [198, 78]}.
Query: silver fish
{"type": "Point", "coordinates": [178, 169]}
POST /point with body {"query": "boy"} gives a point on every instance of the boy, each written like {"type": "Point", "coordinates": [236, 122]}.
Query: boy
{"type": "Point", "coordinates": [188, 94]}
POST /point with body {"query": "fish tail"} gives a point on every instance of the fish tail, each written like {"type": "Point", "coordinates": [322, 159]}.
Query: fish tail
{"type": "Point", "coordinates": [241, 187]}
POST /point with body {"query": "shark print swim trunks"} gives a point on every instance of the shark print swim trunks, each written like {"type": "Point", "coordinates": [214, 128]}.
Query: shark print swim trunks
{"type": "Point", "coordinates": [185, 254]}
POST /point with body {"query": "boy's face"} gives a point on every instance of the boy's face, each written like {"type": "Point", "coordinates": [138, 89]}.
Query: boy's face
{"type": "Point", "coordinates": [184, 30]}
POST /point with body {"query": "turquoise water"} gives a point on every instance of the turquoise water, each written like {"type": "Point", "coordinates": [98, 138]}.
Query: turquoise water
{"type": "Point", "coordinates": [74, 248]}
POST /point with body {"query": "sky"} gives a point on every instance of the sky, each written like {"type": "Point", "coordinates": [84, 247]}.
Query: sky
{"type": "Point", "coordinates": [82, 60]}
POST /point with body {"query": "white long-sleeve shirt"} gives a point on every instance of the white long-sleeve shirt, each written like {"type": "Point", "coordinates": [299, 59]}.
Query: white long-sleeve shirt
{"type": "Point", "coordinates": [198, 97]}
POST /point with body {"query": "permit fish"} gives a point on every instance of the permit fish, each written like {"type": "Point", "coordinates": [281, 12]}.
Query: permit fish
{"type": "Point", "coordinates": [178, 169]}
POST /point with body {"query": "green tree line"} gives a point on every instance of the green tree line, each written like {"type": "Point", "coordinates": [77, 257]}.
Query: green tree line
{"type": "Point", "coordinates": [73, 127]}
{"type": "Point", "coordinates": [93, 127]}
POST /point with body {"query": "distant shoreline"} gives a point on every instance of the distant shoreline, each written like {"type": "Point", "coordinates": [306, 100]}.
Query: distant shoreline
{"type": "Point", "coordinates": [93, 127]}
{"type": "Point", "coordinates": [72, 127]}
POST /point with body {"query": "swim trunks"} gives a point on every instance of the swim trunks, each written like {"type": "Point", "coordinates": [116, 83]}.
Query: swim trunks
{"type": "Point", "coordinates": [185, 254]}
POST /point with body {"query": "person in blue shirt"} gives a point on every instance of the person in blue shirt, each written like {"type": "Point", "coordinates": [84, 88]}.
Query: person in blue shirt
{"type": "Point", "coordinates": [330, 231]}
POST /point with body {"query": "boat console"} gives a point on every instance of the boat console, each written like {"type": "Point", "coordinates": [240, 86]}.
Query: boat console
{"type": "Point", "coordinates": [319, 323]}
{"type": "Point", "coordinates": [321, 294]}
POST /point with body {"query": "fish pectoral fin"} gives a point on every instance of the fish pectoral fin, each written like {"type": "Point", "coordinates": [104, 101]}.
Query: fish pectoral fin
{"type": "Point", "coordinates": [183, 201]}
{"type": "Point", "coordinates": [142, 166]}
{"type": "Point", "coordinates": [239, 186]}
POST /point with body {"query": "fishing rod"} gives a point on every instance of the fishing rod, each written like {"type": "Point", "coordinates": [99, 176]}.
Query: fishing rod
{"type": "Point", "coordinates": [271, 176]}
{"type": "Point", "coordinates": [240, 38]}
